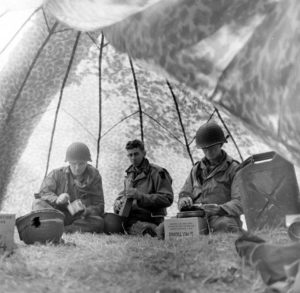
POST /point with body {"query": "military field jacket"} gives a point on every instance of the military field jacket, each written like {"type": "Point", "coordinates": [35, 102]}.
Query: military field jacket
{"type": "Point", "coordinates": [215, 186]}
{"type": "Point", "coordinates": [155, 185]}
{"type": "Point", "coordinates": [89, 190]}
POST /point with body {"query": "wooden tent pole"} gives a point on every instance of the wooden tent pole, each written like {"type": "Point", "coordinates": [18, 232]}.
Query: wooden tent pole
{"type": "Point", "coordinates": [100, 98]}
{"type": "Point", "coordinates": [138, 99]}
{"type": "Point", "coordinates": [224, 124]}
{"type": "Point", "coordinates": [60, 99]}
{"type": "Point", "coordinates": [21, 27]}
{"type": "Point", "coordinates": [180, 121]}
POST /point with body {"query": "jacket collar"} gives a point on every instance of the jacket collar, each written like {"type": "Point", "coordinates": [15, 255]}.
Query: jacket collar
{"type": "Point", "coordinates": [143, 168]}
{"type": "Point", "coordinates": [139, 173]}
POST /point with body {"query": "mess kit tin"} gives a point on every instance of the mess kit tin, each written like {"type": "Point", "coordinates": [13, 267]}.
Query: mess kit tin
{"type": "Point", "coordinates": [75, 207]}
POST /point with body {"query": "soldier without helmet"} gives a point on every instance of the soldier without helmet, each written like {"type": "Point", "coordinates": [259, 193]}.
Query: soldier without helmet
{"type": "Point", "coordinates": [149, 187]}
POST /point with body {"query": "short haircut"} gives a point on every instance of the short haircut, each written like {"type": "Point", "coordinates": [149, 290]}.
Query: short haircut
{"type": "Point", "coordinates": [132, 144]}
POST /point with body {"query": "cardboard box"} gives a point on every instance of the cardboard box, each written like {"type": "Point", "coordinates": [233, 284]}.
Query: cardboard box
{"type": "Point", "coordinates": [182, 228]}
{"type": "Point", "coordinates": [7, 227]}
{"type": "Point", "coordinates": [290, 219]}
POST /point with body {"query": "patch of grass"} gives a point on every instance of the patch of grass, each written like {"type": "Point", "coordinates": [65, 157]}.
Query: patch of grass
{"type": "Point", "coordinates": [101, 263]}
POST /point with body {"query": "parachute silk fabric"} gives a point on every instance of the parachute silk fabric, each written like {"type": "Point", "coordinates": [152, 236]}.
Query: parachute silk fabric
{"type": "Point", "coordinates": [239, 54]}
{"type": "Point", "coordinates": [242, 49]}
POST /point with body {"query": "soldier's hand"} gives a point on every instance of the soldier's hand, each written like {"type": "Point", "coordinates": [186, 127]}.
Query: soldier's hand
{"type": "Point", "coordinates": [118, 204]}
{"type": "Point", "coordinates": [87, 212]}
{"type": "Point", "coordinates": [211, 209]}
{"type": "Point", "coordinates": [63, 199]}
{"type": "Point", "coordinates": [185, 202]}
{"type": "Point", "coordinates": [132, 193]}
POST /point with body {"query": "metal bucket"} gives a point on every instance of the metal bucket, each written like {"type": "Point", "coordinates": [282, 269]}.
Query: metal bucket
{"type": "Point", "coordinates": [113, 224]}
{"type": "Point", "coordinates": [41, 226]}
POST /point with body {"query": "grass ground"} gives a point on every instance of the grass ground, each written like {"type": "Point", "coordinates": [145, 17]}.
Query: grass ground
{"type": "Point", "coordinates": [101, 263]}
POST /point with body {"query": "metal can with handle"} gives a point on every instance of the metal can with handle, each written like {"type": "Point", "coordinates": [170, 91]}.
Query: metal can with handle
{"type": "Point", "coordinates": [75, 207]}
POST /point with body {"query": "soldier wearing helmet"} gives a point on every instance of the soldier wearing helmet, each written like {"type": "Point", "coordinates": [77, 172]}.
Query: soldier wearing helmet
{"type": "Point", "coordinates": [78, 183]}
{"type": "Point", "coordinates": [209, 183]}
{"type": "Point", "coordinates": [149, 187]}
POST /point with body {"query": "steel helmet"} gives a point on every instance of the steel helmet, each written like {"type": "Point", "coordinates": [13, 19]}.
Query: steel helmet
{"type": "Point", "coordinates": [41, 226]}
{"type": "Point", "coordinates": [113, 223]}
{"type": "Point", "coordinates": [78, 151]}
{"type": "Point", "coordinates": [209, 134]}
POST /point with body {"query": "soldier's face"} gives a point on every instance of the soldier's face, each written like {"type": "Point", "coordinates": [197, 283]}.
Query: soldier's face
{"type": "Point", "coordinates": [136, 156]}
{"type": "Point", "coordinates": [78, 167]}
{"type": "Point", "coordinates": [213, 152]}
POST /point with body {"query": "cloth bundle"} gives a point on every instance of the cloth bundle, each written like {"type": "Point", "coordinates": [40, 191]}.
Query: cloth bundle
{"type": "Point", "coordinates": [278, 265]}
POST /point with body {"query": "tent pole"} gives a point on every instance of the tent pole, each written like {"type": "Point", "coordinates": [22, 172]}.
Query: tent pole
{"type": "Point", "coordinates": [21, 27]}
{"type": "Point", "coordinates": [60, 99]}
{"type": "Point", "coordinates": [138, 99]}
{"type": "Point", "coordinates": [219, 115]}
{"type": "Point", "coordinates": [100, 98]}
{"type": "Point", "coordinates": [116, 124]}
{"type": "Point", "coordinates": [181, 123]}
{"type": "Point", "coordinates": [210, 117]}
{"type": "Point", "coordinates": [46, 20]}
{"type": "Point", "coordinates": [29, 72]}
{"type": "Point", "coordinates": [165, 128]}
{"type": "Point", "coordinates": [4, 13]}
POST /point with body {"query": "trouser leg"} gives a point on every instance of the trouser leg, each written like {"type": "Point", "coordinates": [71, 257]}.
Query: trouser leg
{"type": "Point", "coordinates": [136, 227]}
{"type": "Point", "coordinates": [40, 204]}
{"type": "Point", "coordinates": [203, 226]}
{"type": "Point", "coordinates": [224, 224]}
{"type": "Point", "coordinates": [90, 224]}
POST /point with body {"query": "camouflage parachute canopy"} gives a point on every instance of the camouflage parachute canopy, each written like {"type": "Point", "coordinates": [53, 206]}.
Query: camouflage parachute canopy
{"type": "Point", "coordinates": [152, 65]}
{"type": "Point", "coordinates": [243, 50]}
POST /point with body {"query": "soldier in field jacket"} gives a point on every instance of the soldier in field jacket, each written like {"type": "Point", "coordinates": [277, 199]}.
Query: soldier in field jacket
{"type": "Point", "coordinates": [150, 188]}
{"type": "Point", "coordinates": [78, 181]}
{"type": "Point", "coordinates": [210, 183]}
